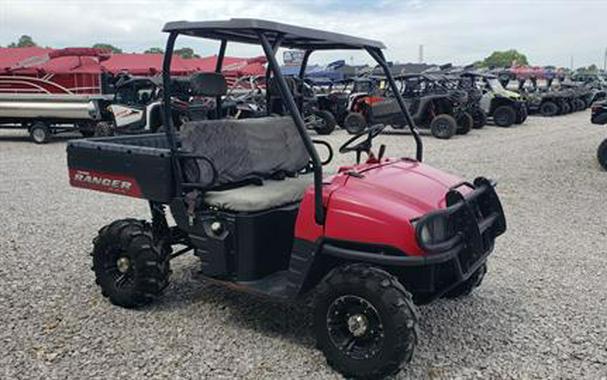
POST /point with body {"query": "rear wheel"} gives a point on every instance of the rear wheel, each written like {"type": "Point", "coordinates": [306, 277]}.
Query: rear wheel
{"type": "Point", "coordinates": [504, 116]}
{"type": "Point", "coordinates": [365, 321]}
{"type": "Point", "coordinates": [326, 123]}
{"type": "Point", "coordinates": [465, 122]}
{"type": "Point", "coordinates": [549, 109]}
{"type": "Point", "coordinates": [355, 123]}
{"type": "Point", "coordinates": [466, 287]}
{"type": "Point", "coordinates": [443, 126]}
{"type": "Point", "coordinates": [565, 108]}
{"type": "Point", "coordinates": [479, 117]}
{"type": "Point", "coordinates": [521, 115]}
{"type": "Point", "coordinates": [602, 154]}
{"type": "Point", "coordinates": [40, 132]}
{"type": "Point", "coordinates": [130, 267]}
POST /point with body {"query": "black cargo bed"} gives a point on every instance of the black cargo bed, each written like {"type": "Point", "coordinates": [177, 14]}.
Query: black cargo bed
{"type": "Point", "coordinates": [138, 166]}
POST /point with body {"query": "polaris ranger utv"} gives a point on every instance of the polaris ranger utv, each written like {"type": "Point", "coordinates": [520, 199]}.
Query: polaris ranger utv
{"type": "Point", "coordinates": [249, 199]}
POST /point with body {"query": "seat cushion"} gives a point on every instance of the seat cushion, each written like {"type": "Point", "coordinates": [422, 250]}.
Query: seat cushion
{"type": "Point", "coordinates": [273, 193]}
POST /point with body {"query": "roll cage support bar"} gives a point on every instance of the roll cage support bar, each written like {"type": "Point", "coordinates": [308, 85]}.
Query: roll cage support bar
{"type": "Point", "coordinates": [270, 50]}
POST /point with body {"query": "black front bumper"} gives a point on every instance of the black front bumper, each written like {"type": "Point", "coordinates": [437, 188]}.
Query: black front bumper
{"type": "Point", "coordinates": [476, 218]}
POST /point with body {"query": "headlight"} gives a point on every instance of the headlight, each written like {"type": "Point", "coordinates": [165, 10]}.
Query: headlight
{"type": "Point", "coordinates": [433, 230]}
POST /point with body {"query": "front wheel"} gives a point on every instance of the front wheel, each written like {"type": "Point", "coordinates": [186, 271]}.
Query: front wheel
{"type": "Point", "coordinates": [131, 267]}
{"type": "Point", "coordinates": [504, 116]}
{"type": "Point", "coordinates": [365, 321]}
{"type": "Point", "coordinates": [443, 126]}
{"type": "Point", "coordinates": [355, 123]}
{"type": "Point", "coordinates": [326, 123]}
{"type": "Point", "coordinates": [602, 154]}
{"type": "Point", "coordinates": [465, 122]}
{"type": "Point", "coordinates": [549, 109]}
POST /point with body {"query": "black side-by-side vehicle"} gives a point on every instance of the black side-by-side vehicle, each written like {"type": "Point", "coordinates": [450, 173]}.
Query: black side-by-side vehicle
{"type": "Point", "coordinates": [248, 197]}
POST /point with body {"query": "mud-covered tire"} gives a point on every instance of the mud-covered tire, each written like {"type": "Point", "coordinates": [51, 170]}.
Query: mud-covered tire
{"type": "Point", "coordinates": [443, 127]}
{"type": "Point", "coordinates": [40, 132]}
{"type": "Point", "coordinates": [466, 287]}
{"type": "Point", "coordinates": [601, 154]}
{"type": "Point", "coordinates": [390, 336]}
{"type": "Point", "coordinates": [549, 109]}
{"type": "Point", "coordinates": [504, 116]}
{"type": "Point", "coordinates": [480, 118]}
{"type": "Point", "coordinates": [130, 267]}
{"type": "Point", "coordinates": [354, 123]}
{"type": "Point", "coordinates": [465, 123]}
{"type": "Point", "coordinates": [327, 123]}
{"type": "Point", "coordinates": [521, 115]}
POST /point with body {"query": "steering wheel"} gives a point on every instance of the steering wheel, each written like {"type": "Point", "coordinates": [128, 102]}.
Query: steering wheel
{"type": "Point", "coordinates": [354, 145]}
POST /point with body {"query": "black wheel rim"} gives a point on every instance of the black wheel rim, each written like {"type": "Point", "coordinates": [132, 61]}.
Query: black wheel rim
{"type": "Point", "coordinates": [442, 127]}
{"type": "Point", "coordinates": [355, 327]}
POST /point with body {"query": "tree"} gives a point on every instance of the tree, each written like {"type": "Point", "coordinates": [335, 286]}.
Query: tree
{"type": "Point", "coordinates": [186, 53]}
{"type": "Point", "coordinates": [505, 59]}
{"type": "Point", "coordinates": [154, 50]}
{"type": "Point", "coordinates": [24, 41]}
{"type": "Point", "coordinates": [109, 47]}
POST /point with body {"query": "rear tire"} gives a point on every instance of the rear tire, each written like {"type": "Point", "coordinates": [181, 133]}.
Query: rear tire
{"type": "Point", "coordinates": [465, 122]}
{"type": "Point", "coordinates": [40, 132]}
{"type": "Point", "coordinates": [355, 123]}
{"type": "Point", "coordinates": [504, 116]}
{"type": "Point", "coordinates": [466, 287]}
{"type": "Point", "coordinates": [479, 117]}
{"type": "Point", "coordinates": [365, 321]}
{"type": "Point", "coordinates": [549, 109]}
{"type": "Point", "coordinates": [521, 115]}
{"type": "Point", "coordinates": [327, 122]}
{"type": "Point", "coordinates": [443, 127]}
{"type": "Point", "coordinates": [130, 267]}
{"type": "Point", "coordinates": [602, 154]}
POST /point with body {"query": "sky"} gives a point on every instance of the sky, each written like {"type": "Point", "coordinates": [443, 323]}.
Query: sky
{"type": "Point", "coordinates": [549, 32]}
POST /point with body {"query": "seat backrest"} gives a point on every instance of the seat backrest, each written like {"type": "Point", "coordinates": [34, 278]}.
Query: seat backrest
{"type": "Point", "coordinates": [242, 150]}
{"type": "Point", "coordinates": [208, 84]}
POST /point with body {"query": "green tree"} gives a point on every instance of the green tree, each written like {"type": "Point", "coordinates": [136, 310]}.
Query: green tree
{"type": "Point", "coordinates": [109, 47]}
{"type": "Point", "coordinates": [505, 59]}
{"type": "Point", "coordinates": [24, 41]}
{"type": "Point", "coordinates": [186, 53]}
{"type": "Point", "coordinates": [154, 50]}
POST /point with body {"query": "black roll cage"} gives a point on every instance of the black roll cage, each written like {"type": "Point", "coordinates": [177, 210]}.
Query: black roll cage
{"type": "Point", "coordinates": [271, 36]}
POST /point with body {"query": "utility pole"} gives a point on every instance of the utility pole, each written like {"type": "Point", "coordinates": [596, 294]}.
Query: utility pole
{"type": "Point", "coordinates": [421, 54]}
{"type": "Point", "coordinates": [571, 63]}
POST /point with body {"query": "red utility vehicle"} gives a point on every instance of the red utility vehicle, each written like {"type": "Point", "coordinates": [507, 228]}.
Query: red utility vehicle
{"type": "Point", "coordinates": [249, 198]}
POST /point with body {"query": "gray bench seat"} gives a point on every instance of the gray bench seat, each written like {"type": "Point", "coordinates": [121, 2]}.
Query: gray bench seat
{"type": "Point", "coordinates": [250, 198]}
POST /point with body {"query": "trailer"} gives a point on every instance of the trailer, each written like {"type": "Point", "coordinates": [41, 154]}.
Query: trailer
{"type": "Point", "coordinates": [46, 115]}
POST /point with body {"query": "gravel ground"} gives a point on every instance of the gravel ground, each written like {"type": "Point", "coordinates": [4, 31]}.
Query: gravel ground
{"type": "Point", "coordinates": [541, 312]}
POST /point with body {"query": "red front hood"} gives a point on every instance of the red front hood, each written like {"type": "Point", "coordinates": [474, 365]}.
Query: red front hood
{"type": "Point", "coordinates": [377, 207]}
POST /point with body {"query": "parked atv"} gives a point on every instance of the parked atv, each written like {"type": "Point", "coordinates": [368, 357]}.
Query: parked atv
{"type": "Point", "coordinates": [317, 119]}
{"type": "Point", "coordinates": [248, 197]}
{"type": "Point", "coordinates": [503, 106]}
{"type": "Point", "coordinates": [599, 116]}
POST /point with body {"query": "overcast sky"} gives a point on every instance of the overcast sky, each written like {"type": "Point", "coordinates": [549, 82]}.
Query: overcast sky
{"type": "Point", "coordinates": [458, 31]}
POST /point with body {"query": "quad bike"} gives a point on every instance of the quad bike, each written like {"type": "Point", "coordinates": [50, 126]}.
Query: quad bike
{"type": "Point", "coordinates": [599, 116]}
{"type": "Point", "coordinates": [503, 106]}
{"type": "Point", "coordinates": [321, 121]}
{"type": "Point", "coordinates": [248, 197]}
{"type": "Point", "coordinates": [247, 97]}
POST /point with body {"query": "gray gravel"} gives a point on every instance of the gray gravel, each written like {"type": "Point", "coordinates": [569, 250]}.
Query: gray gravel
{"type": "Point", "coordinates": [541, 312]}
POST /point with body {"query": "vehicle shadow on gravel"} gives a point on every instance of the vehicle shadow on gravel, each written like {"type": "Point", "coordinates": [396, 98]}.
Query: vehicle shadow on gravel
{"type": "Point", "coordinates": [292, 321]}
{"type": "Point", "coordinates": [450, 327]}
{"type": "Point", "coordinates": [28, 140]}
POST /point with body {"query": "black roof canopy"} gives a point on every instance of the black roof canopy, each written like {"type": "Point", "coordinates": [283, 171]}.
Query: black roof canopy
{"type": "Point", "coordinates": [245, 30]}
